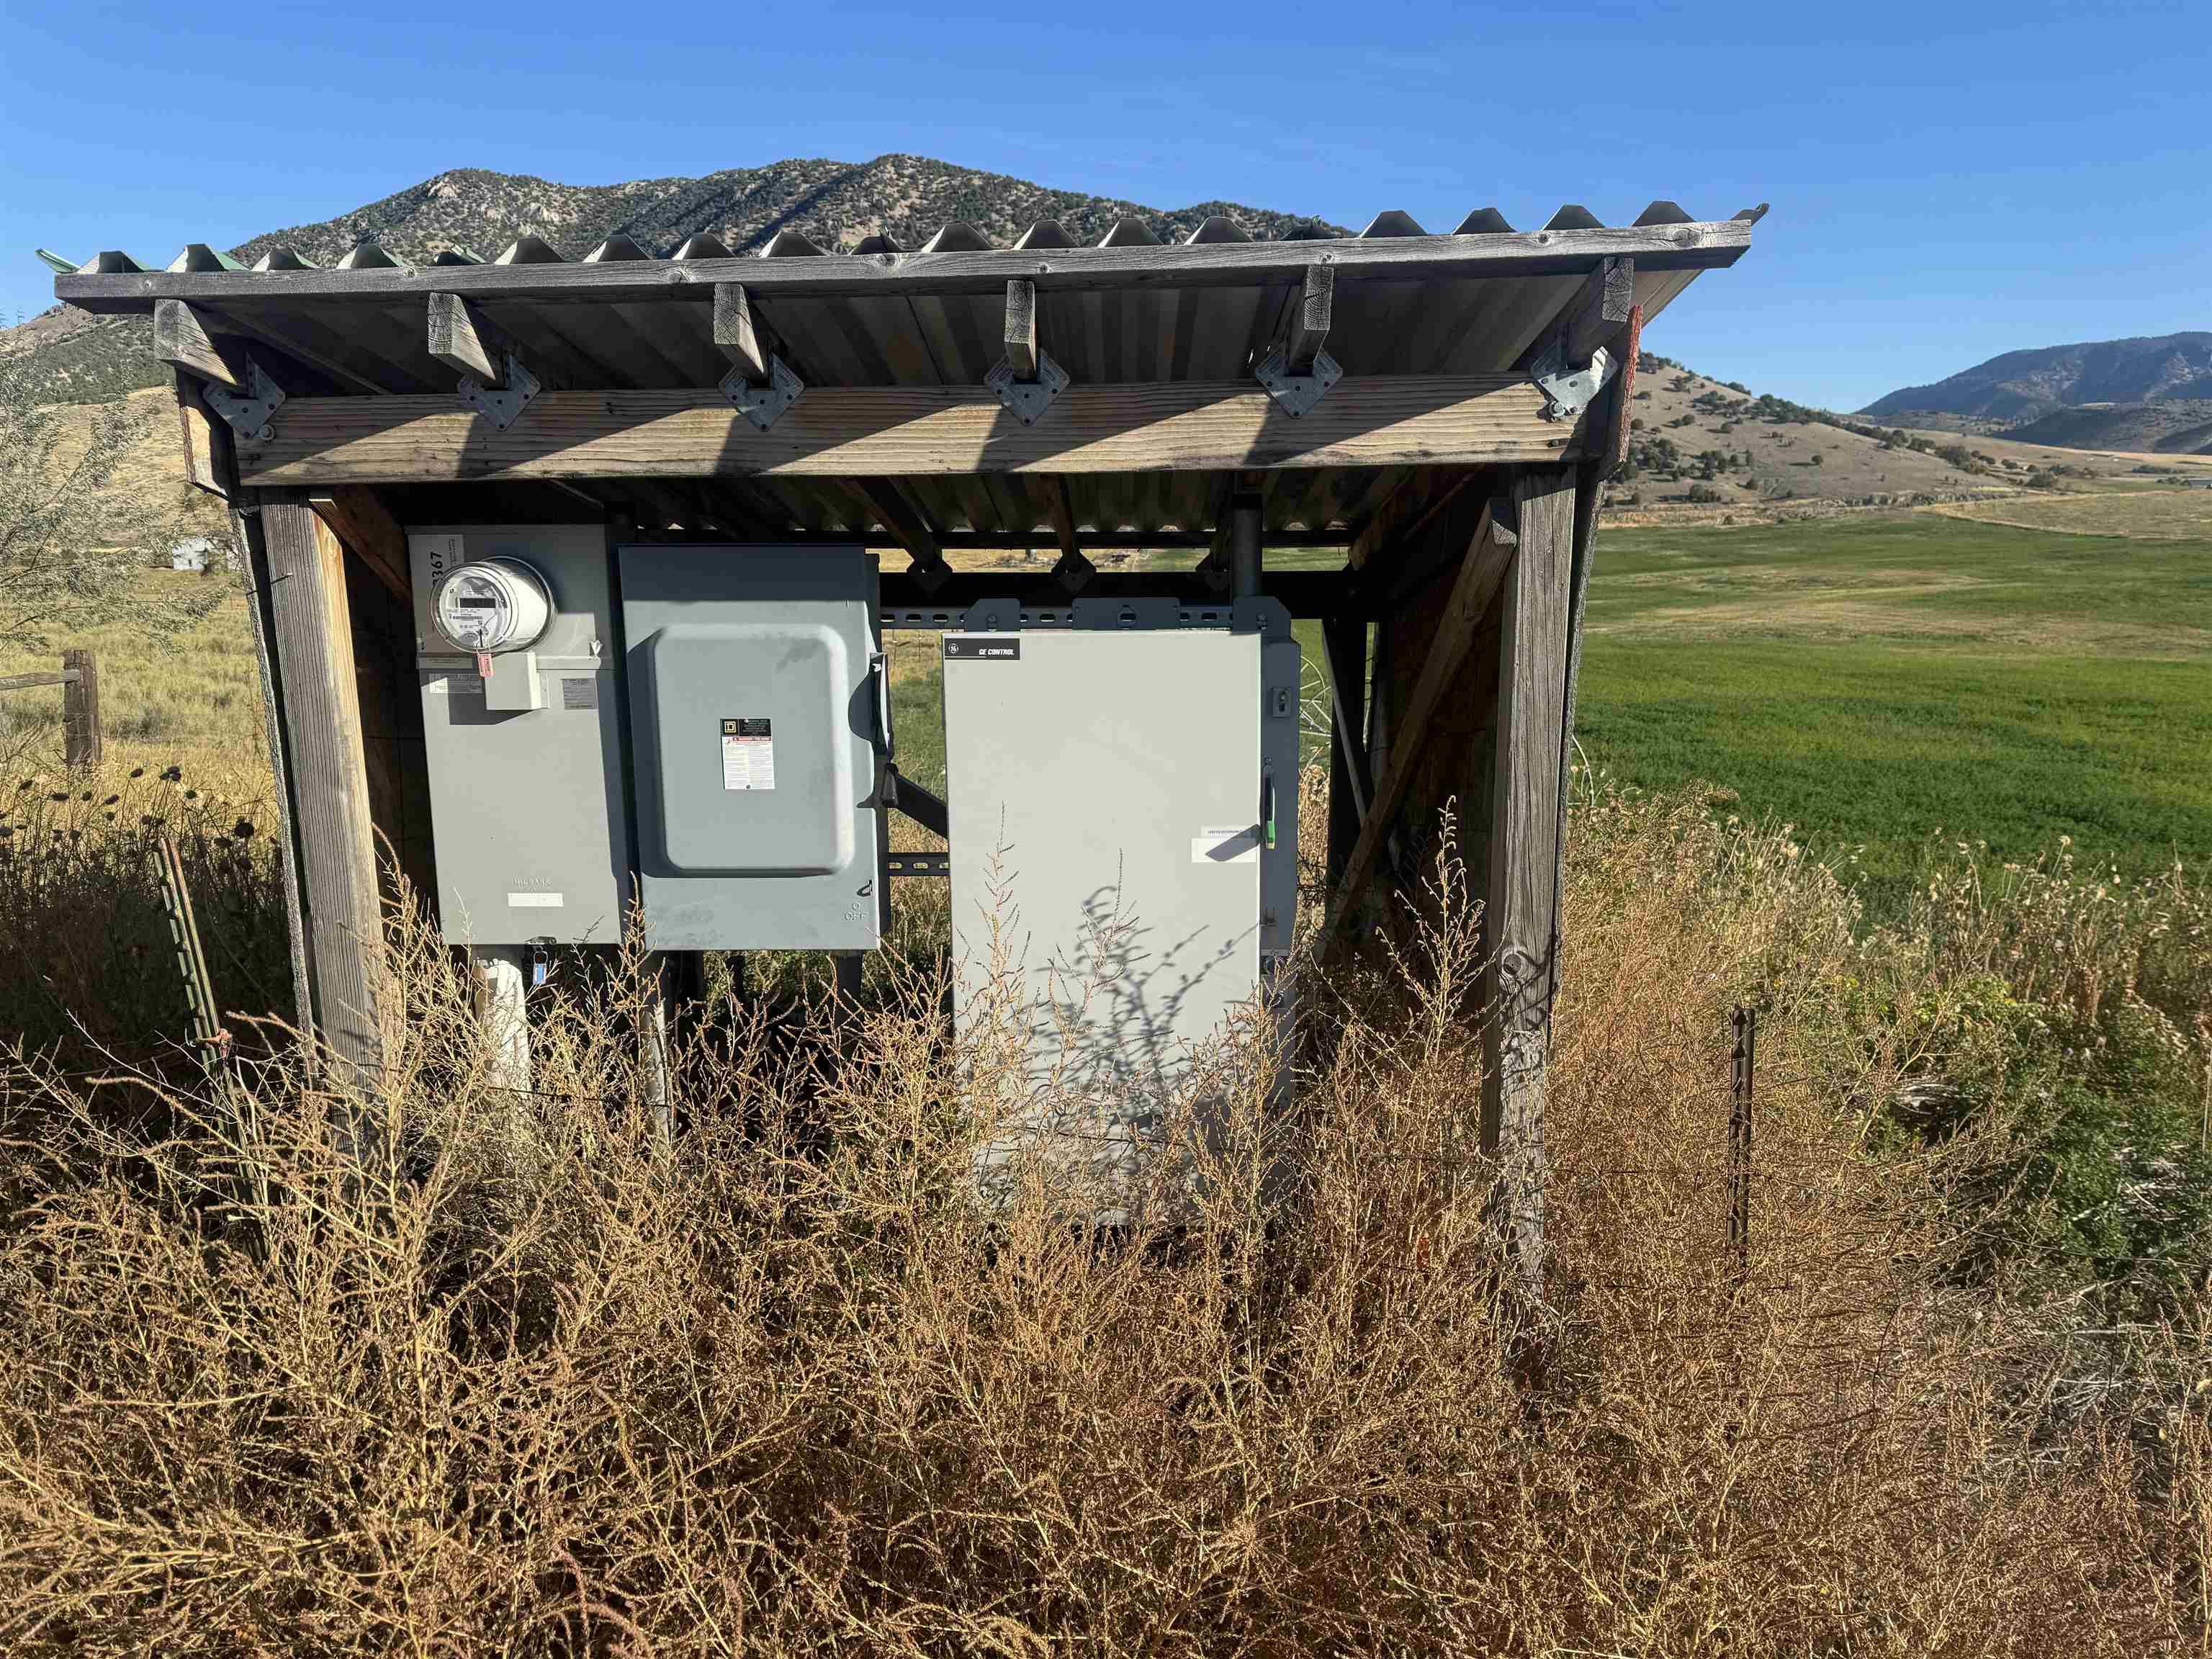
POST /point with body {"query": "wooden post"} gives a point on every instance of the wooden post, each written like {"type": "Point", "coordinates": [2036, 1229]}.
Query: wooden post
{"type": "Point", "coordinates": [311, 643]}
{"type": "Point", "coordinates": [1522, 916]}
{"type": "Point", "coordinates": [81, 708]}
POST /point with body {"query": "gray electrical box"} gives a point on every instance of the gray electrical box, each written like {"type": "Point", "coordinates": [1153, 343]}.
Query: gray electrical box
{"type": "Point", "coordinates": [1123, 803]}
{"type": "Point", "coordinates": [526, 797]}
{"type": "Point", "coordinates": [760, 715]}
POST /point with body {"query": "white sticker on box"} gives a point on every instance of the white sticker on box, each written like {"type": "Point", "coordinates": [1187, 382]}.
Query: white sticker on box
{"type": "Point", "coordinates": [748, 753]}
{"type": "Point", "coordinates": [534, 901]}
{"type": "Point", "coordinates": [1234, 843]}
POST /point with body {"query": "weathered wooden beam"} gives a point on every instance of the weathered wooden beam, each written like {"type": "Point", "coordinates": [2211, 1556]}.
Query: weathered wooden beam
{"type": "Point", "coordinates": [1520, 918]}
{"type": "Point", "coordinates": [1061, 505]}
{"type": "Point", "coordinates": [1599, 311]}
{"type": "Point", "coordinates": [1309, 324]}
{"type": "Point", "coordinates": [1481, 570]}
{"type": "Point", "coordinates": [1619, 413]}
{"type": "Point", "coordinates": [902, 521]}
{"type": "Point", "coordinates": [206, 441]}
{"type": "Point", "coordinates": [312, 643]}
{"type": "Point", "coordinates": [735, 335]}
{"type": "Point", "coordinates": [464, 341]}
{"type": "Point", "coordinates": [33, 682]}
{"type": "Point", "coordinates": [1021, 331]}
{"type": "Point", "coordinates": [359, 519]}
{"type": "Point", "coordinates": [1696, 247]}
{"type": "Point", "coordinates": [914, 431]}
{"type": "Point", "coordinates": [183, 340]}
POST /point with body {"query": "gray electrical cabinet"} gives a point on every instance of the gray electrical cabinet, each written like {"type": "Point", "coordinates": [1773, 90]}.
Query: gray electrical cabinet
{"type": "Point", "coordinates": [1123, 800]}
{"type": "Point", "coordinates": [760, 718]}
{"type": "Point", "coordinates": [527, 809]}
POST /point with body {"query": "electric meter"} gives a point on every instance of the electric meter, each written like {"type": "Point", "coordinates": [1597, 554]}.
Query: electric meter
{"type": "Point", "coordinates": [493, 604]}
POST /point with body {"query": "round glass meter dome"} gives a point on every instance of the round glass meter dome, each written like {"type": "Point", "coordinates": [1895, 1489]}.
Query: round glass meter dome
{"type": "Point", "coordinates": [493, 604]}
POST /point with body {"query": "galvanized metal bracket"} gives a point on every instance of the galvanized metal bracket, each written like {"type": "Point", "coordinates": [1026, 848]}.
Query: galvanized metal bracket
{"type": "Point", "coordinates": [248, 416]}
{"type": "Point", "coordinates": [763, 405]}
{"type": "Point", "coordinates": [1027, 398]}
{"type": "Point", "coordinates": [501, 405]}
{"type": "Point", "coordinates": [1294, 394]}
{"type": "Point", "coordinates": [1568, 391]}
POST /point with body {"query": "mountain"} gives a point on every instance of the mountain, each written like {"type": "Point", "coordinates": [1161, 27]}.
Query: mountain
{"type": "Point", "coordinates": [2023, 386]}
{"type": "Point", "coordinates": [2181, 428]}
{"type": "Point", "coordinates": [73, 356]}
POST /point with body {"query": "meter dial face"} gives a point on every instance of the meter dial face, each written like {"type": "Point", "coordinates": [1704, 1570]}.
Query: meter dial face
{"type": "Point", "coordinates": [492, 606]}
{"type": "Point", "coordinates": [473, 612]}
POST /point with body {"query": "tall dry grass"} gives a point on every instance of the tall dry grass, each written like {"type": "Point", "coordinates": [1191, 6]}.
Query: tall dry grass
{"type": "Point", "coordinates": [531, 1384]}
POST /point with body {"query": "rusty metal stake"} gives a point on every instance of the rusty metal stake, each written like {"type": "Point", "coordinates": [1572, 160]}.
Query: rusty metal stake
{"type": "Point", "coordinates": [1744, 1054]}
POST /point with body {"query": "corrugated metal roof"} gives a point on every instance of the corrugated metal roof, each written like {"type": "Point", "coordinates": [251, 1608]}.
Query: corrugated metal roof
{"type": "Point", "coordinates": [1129, 310]}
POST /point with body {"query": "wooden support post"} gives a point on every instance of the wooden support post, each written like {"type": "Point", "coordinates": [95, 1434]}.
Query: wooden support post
{"type": "Point", "coordinates": [81, 745]}
{"type": "Point", "coordinates": [1351, 785]}
{"type": "Point", "coordinates": [311, 646]}
{"type": "Point", "coordinates": [1520, 917]}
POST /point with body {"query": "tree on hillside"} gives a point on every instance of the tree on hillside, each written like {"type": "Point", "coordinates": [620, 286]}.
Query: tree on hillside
{"type": "Point", "coordinates": [72, 546]}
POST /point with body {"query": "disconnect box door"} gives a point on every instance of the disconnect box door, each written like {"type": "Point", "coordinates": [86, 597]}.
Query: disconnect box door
{"type": "Point", "coordinates": [1106, 795]}
{"type": "Point", "coordinates": [755, 700]}
{"type": "Point", "coordinates": [527, 812]}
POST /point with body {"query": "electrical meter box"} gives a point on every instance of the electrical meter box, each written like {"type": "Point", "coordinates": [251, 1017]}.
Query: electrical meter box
{"type": "Point", "coordinates": [525, 760]}
{"type": "Point", "coordinates": [760, 707]}
{"type": "Point", "coordinates": [1123, 811]}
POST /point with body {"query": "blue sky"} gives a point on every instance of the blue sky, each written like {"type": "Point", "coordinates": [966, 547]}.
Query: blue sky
{"type": "Point", "coordinates": [1948, 181]}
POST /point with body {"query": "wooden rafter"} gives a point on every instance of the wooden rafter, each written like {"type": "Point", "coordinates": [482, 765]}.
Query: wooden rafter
{"type": "Point", "coordinates": [184, 338]}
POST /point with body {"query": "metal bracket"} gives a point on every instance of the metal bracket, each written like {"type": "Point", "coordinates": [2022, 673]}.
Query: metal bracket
{"type": "Point", "coordinates": [763, 405]}
{"type": "Point", "coordinates": [1027, 398]}
{"type": "Point", "coordinates": [248, 416]}
{"type": "Point", "coordinates": [1567, 392]}
{"type": "Point", "coordinates": [1294, 394]}
{"type": "Point", "coordinates": [502, 405]}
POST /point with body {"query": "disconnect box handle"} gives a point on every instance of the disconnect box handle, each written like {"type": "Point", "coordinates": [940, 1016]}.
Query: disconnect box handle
{"type": "Point", "coordinates": [880, 664]}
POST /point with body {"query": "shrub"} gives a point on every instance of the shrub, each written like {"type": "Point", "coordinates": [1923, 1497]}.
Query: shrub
{"type": "Point", "coordinates": [531, 1378]}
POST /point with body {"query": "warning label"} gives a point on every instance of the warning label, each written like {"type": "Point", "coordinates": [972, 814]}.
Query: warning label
{"type": "Point", "coordinates": [579, 692]}
{"type": "Point", "coordinates": [748, 755]}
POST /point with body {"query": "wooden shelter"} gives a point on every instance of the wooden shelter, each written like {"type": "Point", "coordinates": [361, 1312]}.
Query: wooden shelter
{"type": "Point", "coordinates": [1443, 408]}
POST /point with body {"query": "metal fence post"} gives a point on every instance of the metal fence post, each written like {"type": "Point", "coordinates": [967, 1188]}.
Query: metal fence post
{"type": "Point", "coordinates": [1744, 1055]}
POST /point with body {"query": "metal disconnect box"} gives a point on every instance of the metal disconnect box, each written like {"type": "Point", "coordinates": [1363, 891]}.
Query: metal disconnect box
{"type": "Point", "coordinates": [527, 811]}
{"type": "Point", "coordinates": [1123, 812]}
{"type": "Point", "coordinates": [760, 713]}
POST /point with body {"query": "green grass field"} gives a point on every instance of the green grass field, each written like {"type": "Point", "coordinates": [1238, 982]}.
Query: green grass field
{"type": "Point", "coordinates": [1876, 681]}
